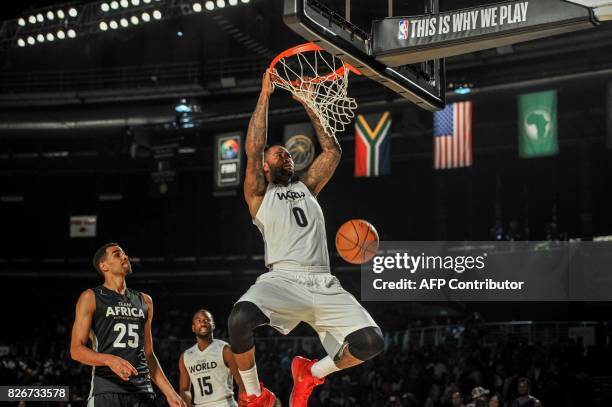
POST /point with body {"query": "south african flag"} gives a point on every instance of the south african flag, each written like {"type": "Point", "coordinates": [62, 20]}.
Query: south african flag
{"type": "Point", "coordinates": [372, 146]}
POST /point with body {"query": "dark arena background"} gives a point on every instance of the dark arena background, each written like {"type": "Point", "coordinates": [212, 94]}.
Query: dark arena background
{"type": "Point", "coordinates": [112, 135]}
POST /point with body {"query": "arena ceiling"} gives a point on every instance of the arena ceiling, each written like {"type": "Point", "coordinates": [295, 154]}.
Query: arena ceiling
{"type": "Point", "coordinates": [238, 41]}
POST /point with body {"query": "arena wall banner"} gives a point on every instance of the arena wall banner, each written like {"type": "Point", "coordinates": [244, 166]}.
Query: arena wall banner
{"type": "Point", "coordinates": [412, 39]}
{"type": "Point", "coordinates": [488, 271]}
{"type": "Point", "coordinates": [228, 163]}
{"type": "Point", "coordinates": [83, 226]}
{"type": "Point", "coordinates": [299, 140]}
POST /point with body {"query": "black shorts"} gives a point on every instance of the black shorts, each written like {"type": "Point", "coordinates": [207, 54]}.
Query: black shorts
{"type": "Point", "coordinates": [122, 400]}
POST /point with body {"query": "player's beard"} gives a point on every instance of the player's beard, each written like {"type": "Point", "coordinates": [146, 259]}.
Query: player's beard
{"type": "Point", "coordinates": [281, 174]}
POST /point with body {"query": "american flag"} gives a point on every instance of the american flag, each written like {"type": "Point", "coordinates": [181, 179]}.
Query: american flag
{"type": "Point", "coordinates": [453, 136]}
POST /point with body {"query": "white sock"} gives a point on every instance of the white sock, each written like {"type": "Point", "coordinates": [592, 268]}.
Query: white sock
{"type": "Point", "coordinates": [250, 380]}
{"type": "Point", "coordinates": [324, 367]}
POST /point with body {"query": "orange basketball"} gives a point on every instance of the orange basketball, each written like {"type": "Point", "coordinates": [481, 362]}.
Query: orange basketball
{"type": "Point", "coordinates": [357, 241]}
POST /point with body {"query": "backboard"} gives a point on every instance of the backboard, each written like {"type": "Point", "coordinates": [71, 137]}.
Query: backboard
{"type": "Point", "coordinates": [422, 83]}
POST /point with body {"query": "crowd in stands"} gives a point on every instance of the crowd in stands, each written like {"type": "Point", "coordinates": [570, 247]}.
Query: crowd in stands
{"type": "Point", "coordinates": [460, 370]}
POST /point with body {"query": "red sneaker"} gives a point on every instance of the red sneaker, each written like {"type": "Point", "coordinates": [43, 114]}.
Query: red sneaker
{"type": "Point", "coordinates": [265, 399]}
{"type": "Point", "coordinates": [303, 381]}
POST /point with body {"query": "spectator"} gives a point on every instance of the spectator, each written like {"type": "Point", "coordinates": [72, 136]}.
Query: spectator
{"type": "Point", "coordinates": [479, 397]}
{"type": "Point", "coordinates": [456, 399]}
{"type": "Point", "coordinates": [495, 401]}
{"type": "Point", "coordinates": [525, 399]}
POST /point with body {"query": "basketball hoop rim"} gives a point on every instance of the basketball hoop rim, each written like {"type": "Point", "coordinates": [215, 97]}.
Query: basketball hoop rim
{"type": "Point", "coordinates": [309, 47]}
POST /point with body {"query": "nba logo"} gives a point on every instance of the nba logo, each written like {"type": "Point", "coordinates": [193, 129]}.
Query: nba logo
{"type": "Point", "coordinates": [403, 30]}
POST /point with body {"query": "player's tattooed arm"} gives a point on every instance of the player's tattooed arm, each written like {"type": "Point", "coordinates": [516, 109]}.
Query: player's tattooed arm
{"type": "Point", "coordinates": [255, 181]}
{"type": "Point", "coordinates": [324, 166]}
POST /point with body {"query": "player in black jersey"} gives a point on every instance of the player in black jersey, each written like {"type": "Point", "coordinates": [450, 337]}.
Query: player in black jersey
{"type": "Point", "coordinates": [117, 320]}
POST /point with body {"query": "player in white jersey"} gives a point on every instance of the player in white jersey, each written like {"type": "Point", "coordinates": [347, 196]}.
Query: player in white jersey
{"type": "Point", "coordinates": [207, 368]}
{"type": "Point", "coordinates": [299, 285]}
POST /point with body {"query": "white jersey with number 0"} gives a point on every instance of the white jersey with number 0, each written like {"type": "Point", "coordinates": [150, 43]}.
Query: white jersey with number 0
{"type": "Point", "coordinates": [293, 227]}
{"type": "Point", "coordinates": [211, 380]}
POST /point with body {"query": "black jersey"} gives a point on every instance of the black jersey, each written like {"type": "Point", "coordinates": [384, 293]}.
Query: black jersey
{"type": "Point", "coordinates": [118, 329]}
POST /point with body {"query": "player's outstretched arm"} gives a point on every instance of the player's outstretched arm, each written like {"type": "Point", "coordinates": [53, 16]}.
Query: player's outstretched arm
{"type": "Point", "coordinates": [255, 180]}
{"type": "Point", "coordinates": [230, 362]}
{"type": "Point", "coordinates": [324, 166]}
{"type": "Point", "coordinates": [184, 382]}
{"type": "Point", "coordinates": [85, 309]}
{"type": "Point", "coordinates": [157, 374]}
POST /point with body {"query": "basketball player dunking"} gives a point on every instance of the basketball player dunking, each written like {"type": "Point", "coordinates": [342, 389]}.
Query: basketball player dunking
{"type": "Point", "coordinates": [208, 366]}
{"type": "Point", "coordinates": [299, 285]}
{"type": "Point", "coordinates": [118, 322]}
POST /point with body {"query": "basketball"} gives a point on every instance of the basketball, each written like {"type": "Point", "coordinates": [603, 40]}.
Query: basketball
{"type": "Point", "coordinates": [357, 241]}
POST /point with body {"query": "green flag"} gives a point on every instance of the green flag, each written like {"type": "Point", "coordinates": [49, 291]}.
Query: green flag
{"type": "Point", "coordinates": [538, 124]}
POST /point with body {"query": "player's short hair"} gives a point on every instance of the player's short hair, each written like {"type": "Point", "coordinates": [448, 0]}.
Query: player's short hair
{"type": "Point", "coordinates": [267, 148]}
{"type": "Point", "coordinates": [100, 256]}
{"type": "Point", "coordinates": [202, 311]}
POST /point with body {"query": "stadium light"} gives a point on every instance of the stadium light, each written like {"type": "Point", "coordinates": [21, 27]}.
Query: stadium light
{"type": "Point", "coordinates": [210, 6]}
{"type": "Point", "coordinates": [220, 3]}
{"type": "Point", "coordinates": [233, 2]}
{"type": "Point", "coordinates": [49, 25]}
{"type": "Point", "coordinates": [245, 1]}
{"type": "Point", "coordinates": [197, 7]}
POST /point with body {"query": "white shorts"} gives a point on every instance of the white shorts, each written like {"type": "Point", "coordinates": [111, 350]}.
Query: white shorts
{"type": "Point", "coordinates": [289, 297]}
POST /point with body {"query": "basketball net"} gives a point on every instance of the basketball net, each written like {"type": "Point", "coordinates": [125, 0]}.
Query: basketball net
{"type": "Point", "coordinates": [320, 80]}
